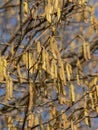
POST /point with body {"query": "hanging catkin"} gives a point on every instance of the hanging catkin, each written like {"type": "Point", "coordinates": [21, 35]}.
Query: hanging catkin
{"type": "Point", "coordinates": [72, 93]}
{"type": "Point", "coordinates": [43, 59]}
{"type": "Point", "coordinates": [47, 62]}
{"type": "Point", "coordinates": [68, 71]}
{"type": "Point", "coordinates": [31, 94]}
{"type": "Point", "coordinates": [38, 47]}
{"type": "Point", "coordinates": [9, 87]}
{"type": "Point", "coordinates": [19, 73]}
{"type": "Point", "coordinates": [10, 123]}
{"type": "Point", "coordinates": [31, 120]}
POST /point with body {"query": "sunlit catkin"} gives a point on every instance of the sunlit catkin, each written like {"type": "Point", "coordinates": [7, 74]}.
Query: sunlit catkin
{"type": "Point", "coordinates": [68, 71]}
{"type": "Point", "coordinates": [53, 47]}
{"type": "Point", "coordinates": [87, 118]}
{"type": "Point", "coordinates": [78, 80]}
{"type": "Point", "coordinates": [36, 121]}
{"type": "Point", "coordinates": [10, 88]}
{"type": "Point", "coordinates": [31, 120]}
{"type": "Point", "coordinates": [97, 92]}
{"type": "Point", "coordinates": [61, 73]}
{"type": "Point", "coordinates": [25, 8]}
{"type": "Point", "coordinates": [72, 93]}
{"type": "Point", "coordinates": [47, 62]}
{"type": "Point", "coordinates": [43, 59]}
{"type": "Point", "coordinates": [55, 69]}
{"type": "Point", "coordinates": [88, 51]}
{"type": "Point", "coordinates": [85, 51]}
{"type": "Point", "coordinates": [31, 93]}
{"type": "Point", "coordinates": [7, 88]}
{"type": "Point", "coordinates": [19, 73]}
{"type": "Point", "coordinates": [10, 123]}
{"type": "Point", "coordinates": [92, 100]}
{"type": "Point", "coordinates": [1, 73]}
{"type": "Point", "coordinates": [4, 63]}
{"type": "Point", "coordinates": [38, 47]}
{"type": "Point", "coordinates": [47, 127]}
{"type": "Point", "coordinates": [52, 69]}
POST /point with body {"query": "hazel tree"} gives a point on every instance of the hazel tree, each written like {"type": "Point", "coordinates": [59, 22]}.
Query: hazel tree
{"type": "Point", "coordinates": [48, 65]}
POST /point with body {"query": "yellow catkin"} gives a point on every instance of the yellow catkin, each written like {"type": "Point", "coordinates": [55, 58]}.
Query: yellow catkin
{"type": "Point", "coordinates": [10, 88]}
{"type": "Point", "coordinates": [75, 127]}
{"type": "Point", "coordinates": [38, 47]}
{"type": "Point", "coordinates": [72, 93]}
{"type": "Point", "coordinates": [61, 72]}
{"type": "Point", "coordinates": [78, 80]}
{"type": "Point", "coordinates": [25, 8]}
{"type": "Point", "coordinates": [1, 72]}
{"type": "Point", "coordinates": [29, 57]}
{"type": "Point", "coordinates": [10, 123]}
{"type": "Point", "coordinates": [97, 109]}
{"type": "Point", "coordinates": [53, 111]}
{"type": "Point", "coordinates": [31, 62]}
{"type": "Point", "coordinates": [70, 68]}
{"type": "Point", "coordinates": [30, 120]}
{"type": "Point", "coordinates": [88, 51]}
{"type": "Point", "coordinates": [58, 13]}
{"type": "Point", "coordinates": [4, 66]}
{"type": "Point", "coordinates": [65, 120]}
{"type": "Point", "coordinates": [61, 100]}
{"type": "Point", "coordinates": [56, 4]}
{"type": "Point", "coordinates": [97, 92]}
{"type": "Point", "coordinates": [78, 64]}
{"type": "Point", "coordinates": [43, 59]}
{"type": "Point", "coordinates": [25, 59]}
{"type": "Point", "coordinates": [57, 56]}
{"type": "Point", "coordinates": [86, 113]}
{"type": "Point", "coordinates": [48, 12]}
{"type": "Point", "coordinates": [62, 89]}
{"type": "Point", "coordinates": [53, 47]}
{"type": "Point", "coordinates": [85, 51]}
{"type": "Point", "coordinates": [96, 97]}
{"type": "Point", "coordinates": [34, 66]}
{"type": "Point", "coordinates": [19, 73]}
{"type": "Point", "coordinates": [52, 69]}
{"type": "Point", "coordinates": [87, 119]}
{"type": "Point", "coordinates": [36, 121]}
{"type": "Point", "coordinates": [55, 69]}
{"type": "Point", "coordinates": [94, 81]}
{"type": "Point", "coordinates": [68, 71]}
{"type": "Point", "coordinates": [92, 101]}
{"type": "Point", "coordinates": [64, 117]}
{"type": "Point", "coordinates": [47, 127]}
{"type": "Point", "coordinates": [54, 50]}
{"type": "Point", "coordinates": [7, 88]}
{"type": "Point", "coordinates": [47, 62]}
{"type": "Point", "coordinates": [31, 93]}
{"type": "Point", "coordinates": [72, 125]}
